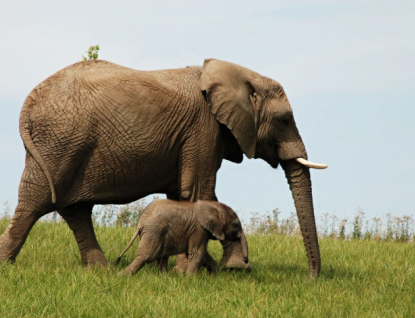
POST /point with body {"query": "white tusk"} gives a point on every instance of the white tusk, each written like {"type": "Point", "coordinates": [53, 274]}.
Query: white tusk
{"type": "Point", "coordinates": [311, 164]}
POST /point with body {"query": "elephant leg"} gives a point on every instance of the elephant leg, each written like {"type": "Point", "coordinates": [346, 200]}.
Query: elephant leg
{"type": "Point", "coordinates": [34, 202]}
{"type": "Point", "coordinates": [210, 264]}
{"type": "Point", "coordinates": [16, 233]}
{"type": "Point", "coordinates": [190, 190]}
{"type": "Point", "coordinates": [162, 264]}
{"type": "Point", "coordinates": [233, 257]}
{"type": "Point", "coordinates": [181, 259]}
{"type": "Point", "coordinates": [181, 263]}
{"type": "Point", "coordinates": [148, 251]}
{"type": "Point", "coordinates": [79, 221]}
{"type": "Point", "coordinates": [196, 259]}
{"type": "Point", "coordinates": [135, 266]}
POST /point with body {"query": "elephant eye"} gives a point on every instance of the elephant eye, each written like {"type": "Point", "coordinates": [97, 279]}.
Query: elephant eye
{"type": "Point", "coordinates": [285, 121]}
{"type": "Point", "coordinates": [235, 224]}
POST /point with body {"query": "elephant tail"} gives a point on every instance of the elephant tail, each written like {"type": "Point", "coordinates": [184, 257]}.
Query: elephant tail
{"type": "Point", "coordinates": [137, 232]}
{"type": "Point", "coordinates": [25, 133]}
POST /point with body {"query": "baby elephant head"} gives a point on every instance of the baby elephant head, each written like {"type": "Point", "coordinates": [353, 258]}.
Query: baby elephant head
{"type": "Point", "coordinates": [222, 222]}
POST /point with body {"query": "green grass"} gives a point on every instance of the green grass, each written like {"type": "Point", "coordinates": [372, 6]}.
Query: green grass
{"type": "Point", "coordinates": [358, 279]}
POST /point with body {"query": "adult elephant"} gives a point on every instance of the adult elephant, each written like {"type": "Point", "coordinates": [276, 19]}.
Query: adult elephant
{"type": "Point", "coordinates": [98, 133]}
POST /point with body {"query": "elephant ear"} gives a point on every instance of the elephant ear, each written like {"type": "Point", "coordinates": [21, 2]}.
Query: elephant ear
{"type": "Point", "coordinates": [209, 217]}
{"type": "Point", "coordinates": [227, 89]}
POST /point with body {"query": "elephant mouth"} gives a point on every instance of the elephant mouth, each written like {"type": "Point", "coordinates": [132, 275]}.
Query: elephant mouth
{"type": "Point", "coordinates": [274, 160]}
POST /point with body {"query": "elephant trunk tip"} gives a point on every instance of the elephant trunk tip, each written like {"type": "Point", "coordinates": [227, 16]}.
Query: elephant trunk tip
{"type": "Point", "coordinates": [314, 274]}
{"type": "Point", "coordinates": [315, 270]}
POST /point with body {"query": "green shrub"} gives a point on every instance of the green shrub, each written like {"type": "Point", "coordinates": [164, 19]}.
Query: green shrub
{"type": "Point", "coordinates": [92, 53]}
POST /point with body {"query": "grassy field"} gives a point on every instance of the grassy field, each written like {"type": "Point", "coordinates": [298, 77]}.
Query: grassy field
{"type": "Point", "coordinates": [358, 279]}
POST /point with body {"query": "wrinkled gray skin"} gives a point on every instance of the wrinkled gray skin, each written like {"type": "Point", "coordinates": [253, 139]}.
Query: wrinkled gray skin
{"type": "Point", "coordinates": [169, 227]}
{"type": "Point", "coordinates": [99, 133]}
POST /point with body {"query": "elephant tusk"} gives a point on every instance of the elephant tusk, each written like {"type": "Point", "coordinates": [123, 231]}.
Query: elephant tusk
{"type": "Point", "coordinates": [311, 164]}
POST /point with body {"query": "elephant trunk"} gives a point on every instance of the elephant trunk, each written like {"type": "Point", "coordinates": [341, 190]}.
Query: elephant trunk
{"type": "Point", "coordinates": [298, 177]}
{"type": "Point", "coordinates": [244, 245]}
{"type": "Point", "coordinates": [234, 254]}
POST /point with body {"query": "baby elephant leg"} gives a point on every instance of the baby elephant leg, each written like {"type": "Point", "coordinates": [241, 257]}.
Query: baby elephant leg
{"type": "Point", "coordinates": [181, 263]}
{"type": "Point", "coordinates": [162, 264]}
{"type": "Point", "coordinates": [147, 252]}
{"type": "Point", "coordinates": [135, 266]}
{"type": "Point", "coordinates": [196, 259]}
{"type": "Point", "coordinates": [210, 264]}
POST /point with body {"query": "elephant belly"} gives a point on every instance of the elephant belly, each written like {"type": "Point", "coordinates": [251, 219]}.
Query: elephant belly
{"type": "Point", "coordinates": [175, 244]}
{"type": "Point", "coordinates": [119, 180]}
{"type": "Point", "coordinates": [158, 240]}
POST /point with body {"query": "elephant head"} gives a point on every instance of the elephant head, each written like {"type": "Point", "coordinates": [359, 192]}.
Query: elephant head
{"type": "Point", "coordinates": [256, 111]}
{"type": "Point", "coordinates": [222, 222]}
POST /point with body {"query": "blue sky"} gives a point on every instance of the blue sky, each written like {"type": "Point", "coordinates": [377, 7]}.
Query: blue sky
{"type": "Point", "coordinates": [348, 68]}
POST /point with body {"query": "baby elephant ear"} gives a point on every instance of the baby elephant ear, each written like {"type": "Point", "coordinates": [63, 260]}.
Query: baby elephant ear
{"type": "Point", "coordinates": [209, 217]}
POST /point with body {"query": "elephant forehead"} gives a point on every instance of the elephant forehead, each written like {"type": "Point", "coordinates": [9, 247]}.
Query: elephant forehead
{"type": "Point", "coordinates": [276, 108]}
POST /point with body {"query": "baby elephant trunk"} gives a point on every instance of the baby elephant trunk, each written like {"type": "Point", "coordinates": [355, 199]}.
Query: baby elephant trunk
{"type": "Point", "coordinates": [235, 255]}
{"type": "Point", "coordinates": [244, 245]}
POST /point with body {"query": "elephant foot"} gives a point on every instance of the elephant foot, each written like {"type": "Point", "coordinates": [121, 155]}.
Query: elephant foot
{"type": "Point", "coordinates": [233, 258]}
{"type": "Point", "coordinates": [13, 238]}
{"type": "Point", "coordinates": [5, 255]}
{"type": "Point", "coordinates": [94, 257]}
{"type": "Point", "coordinates": [124, 273]}
{"type": "Point", "coordinates": [162, 265]}
{"type": "Point", "coordinates": [176, 269]}
{"type": "Point", "coordinates": [5, 259]}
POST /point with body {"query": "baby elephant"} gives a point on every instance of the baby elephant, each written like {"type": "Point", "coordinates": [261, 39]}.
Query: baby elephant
{"type": "Point", "coordinates": [168, 227]}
